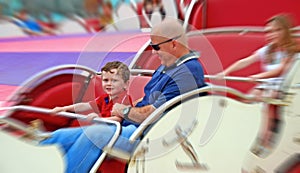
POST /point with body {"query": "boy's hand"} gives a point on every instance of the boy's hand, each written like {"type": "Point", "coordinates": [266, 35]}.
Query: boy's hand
{"type": "Point", "coordinates": [91, 116]}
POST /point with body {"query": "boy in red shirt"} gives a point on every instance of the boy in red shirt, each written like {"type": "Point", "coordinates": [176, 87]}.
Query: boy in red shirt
{"type": "Point", "coordinates": [115, 81]}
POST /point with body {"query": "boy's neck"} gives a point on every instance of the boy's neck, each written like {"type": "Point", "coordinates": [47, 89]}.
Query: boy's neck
{"type": "Point", "coordinates": [117, 96]}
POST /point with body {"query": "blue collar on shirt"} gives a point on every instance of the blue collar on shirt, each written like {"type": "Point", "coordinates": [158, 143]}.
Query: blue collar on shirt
{"type": "Point", "coordinates": [181, 60]}
{"type": "Point", "coordinates": [106, 99]}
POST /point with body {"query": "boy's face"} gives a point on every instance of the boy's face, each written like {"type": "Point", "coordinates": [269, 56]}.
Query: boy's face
{"type": "Point", "coordinates": [112, 83]}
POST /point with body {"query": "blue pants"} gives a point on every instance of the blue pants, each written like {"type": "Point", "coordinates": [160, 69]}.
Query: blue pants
{"type": "Point", "coordinates": [82, 146]}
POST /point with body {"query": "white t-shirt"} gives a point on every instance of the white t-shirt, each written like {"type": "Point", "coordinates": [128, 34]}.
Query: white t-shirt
{"type": "Point", "coordinates": [273, 83]}
{"type": "Point", "coordinates": [277, 58]}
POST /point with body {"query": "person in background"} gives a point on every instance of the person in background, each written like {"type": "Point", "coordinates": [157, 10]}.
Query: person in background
{"type": "Point", "coordinates": [153, 5]}
{"type": "Point", "coordinates": [92, 7]}
{"type": "Point", "coordinates": [276, 57]}
{"type": "Point", "coordinates": [106, 16]}
{"type": "Point", "coordinates": [31, 26]}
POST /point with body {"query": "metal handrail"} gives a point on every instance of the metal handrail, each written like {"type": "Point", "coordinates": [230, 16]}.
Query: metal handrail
{"type": "Point", "coordinates": [236, 78]}
{"type": "Point", "coordinates": [29, 82]}
{"type": "Point", "coordinates": [188, 14]}
{"type": "Point", "coordinates": [141, 72]}
{"type": "Point", "coordinates": [56, 69]}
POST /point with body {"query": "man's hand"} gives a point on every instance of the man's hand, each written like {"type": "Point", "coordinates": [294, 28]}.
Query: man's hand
{"type": "Point", "coordinates": [117, 110]}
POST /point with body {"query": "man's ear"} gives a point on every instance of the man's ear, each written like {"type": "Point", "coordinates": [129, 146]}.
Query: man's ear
{"type": "Point", "coordinates": [174, 43]}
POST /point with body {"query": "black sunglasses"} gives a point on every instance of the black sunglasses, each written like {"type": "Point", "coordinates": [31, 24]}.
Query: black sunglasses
{"type": "Point", "coordinates": [156, 46]}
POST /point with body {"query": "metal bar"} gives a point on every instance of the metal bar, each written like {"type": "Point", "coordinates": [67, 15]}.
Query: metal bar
{"type": "Point", "coordinates": [236, 78]}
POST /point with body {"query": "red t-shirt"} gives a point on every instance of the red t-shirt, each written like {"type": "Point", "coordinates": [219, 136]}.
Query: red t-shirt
{"type": "Point", "coordinates": [103, 105]}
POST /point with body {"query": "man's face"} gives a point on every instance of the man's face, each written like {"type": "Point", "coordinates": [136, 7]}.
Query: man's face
{"type": "Point", "coordinates": [163, 47]}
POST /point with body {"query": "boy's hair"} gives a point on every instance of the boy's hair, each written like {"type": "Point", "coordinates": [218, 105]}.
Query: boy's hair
{"type": "Point", "coordinates": [122, 69]}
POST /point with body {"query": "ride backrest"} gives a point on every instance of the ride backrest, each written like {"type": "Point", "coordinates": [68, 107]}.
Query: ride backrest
{"type": "Point", "coordinates": [135, 90]}
{"type": "Point", "coordinates": [94, 89]}
{"type": "Point", "coordinates": [219, 13]}
{"type": "Point", "coordinates": [220, 50]}
{"type": "Point", "coordinates": [136, 86]}
{"type": "Point", "coordinates": [147, 60]}
{"type": "Point", "coordinates": [290, 87]}
{"type": "Point", "coordinates": [58, 90]}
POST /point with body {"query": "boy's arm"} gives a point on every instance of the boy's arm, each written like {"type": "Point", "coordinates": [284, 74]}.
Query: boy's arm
{"type": "Point", "coordinates": [93, 115]}
{"type": "Point", "coordinates": [78, 107]}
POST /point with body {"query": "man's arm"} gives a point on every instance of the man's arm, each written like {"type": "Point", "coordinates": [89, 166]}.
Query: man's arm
{"type": "Point", "coordinates": [136, 114]}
